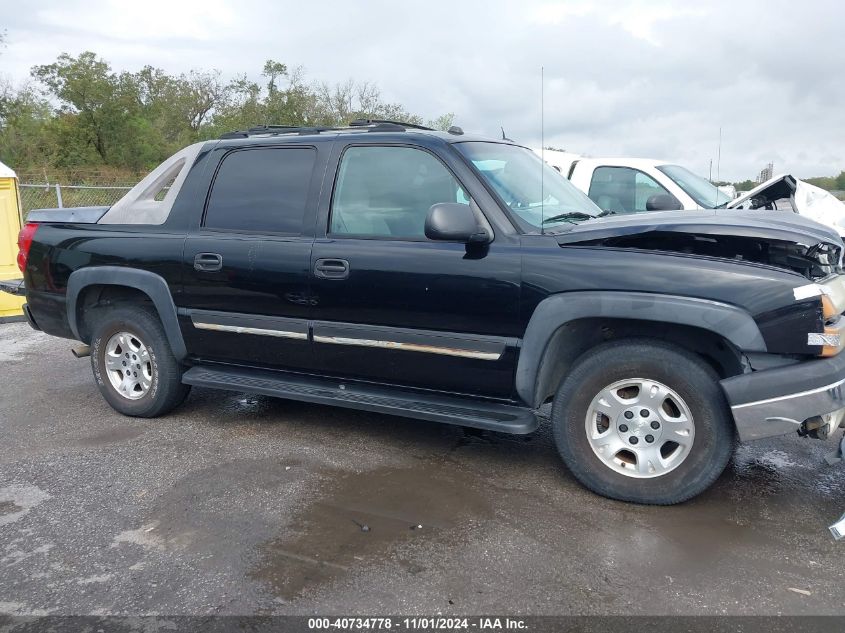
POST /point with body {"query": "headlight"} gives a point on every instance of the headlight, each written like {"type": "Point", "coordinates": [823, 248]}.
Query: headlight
{"type": "Point", "coordinates": [829, 309]}
{"type": "Point", "coordinates": [832, 295]}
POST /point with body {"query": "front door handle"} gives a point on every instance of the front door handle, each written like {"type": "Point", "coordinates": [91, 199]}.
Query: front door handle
{"type": "Point", "coordinates": [331, 269]}
{"type": "Point", "coordinates": [208, 262]}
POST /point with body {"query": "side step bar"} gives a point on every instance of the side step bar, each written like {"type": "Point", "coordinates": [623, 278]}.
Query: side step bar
{"type": "Point", "coordinates": [446, 409]}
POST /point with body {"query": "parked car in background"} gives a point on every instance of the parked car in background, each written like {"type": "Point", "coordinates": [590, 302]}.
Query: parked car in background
{"type": "Point", "coordinates": [632, 185]}
{"type": "Point", "coordinates": [456, 279]}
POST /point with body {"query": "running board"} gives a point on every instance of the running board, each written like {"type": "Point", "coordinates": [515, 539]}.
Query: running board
{"type": "Point", "coordinates": [423, 406]}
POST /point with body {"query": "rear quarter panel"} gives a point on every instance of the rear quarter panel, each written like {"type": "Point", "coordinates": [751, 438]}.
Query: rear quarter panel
{"type": "Point", "coordinates": [60, 249]}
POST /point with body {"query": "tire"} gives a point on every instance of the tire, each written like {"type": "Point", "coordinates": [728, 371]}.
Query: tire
{"type": "Point", "coordinates": [133, 335]}
{"type": "Point", "coordinates": [614, 385]}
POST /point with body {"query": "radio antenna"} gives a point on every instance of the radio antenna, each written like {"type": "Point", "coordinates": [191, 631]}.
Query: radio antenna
{"type": "Point", "coordinates": [542, 153]}
{"type": "Point", "coordinates": [718, 163]}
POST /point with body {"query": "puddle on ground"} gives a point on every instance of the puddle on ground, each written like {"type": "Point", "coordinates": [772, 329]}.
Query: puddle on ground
{"type": "Point", "coordinates": [8, 507]}
{"type": "Point", "coordinates": [119, 434]}
{"type": "Point", "coordinates": [361, 518]}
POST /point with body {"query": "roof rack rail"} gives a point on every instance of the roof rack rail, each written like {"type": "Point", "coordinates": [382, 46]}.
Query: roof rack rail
{"type": "Point", "coordinates": [388, 124]}
{"type": "Point", "coordinates": [373, 125]}
{"type": "Point", "coordinates": [274, 130]}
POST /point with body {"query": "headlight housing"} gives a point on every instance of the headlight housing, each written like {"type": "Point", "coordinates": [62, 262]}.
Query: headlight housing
{"type": "Point", "coordinates": [832, 339]}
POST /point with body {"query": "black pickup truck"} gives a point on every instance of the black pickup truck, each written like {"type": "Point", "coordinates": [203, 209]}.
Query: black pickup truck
{"type": "Point", "coordinates": [444, 277]}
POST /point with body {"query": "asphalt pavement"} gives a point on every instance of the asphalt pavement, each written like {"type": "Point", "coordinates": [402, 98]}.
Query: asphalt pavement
{"type": "Point", "coordinates": [237, 504]}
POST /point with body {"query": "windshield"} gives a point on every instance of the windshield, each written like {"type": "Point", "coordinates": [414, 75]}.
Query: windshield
{"type": "Point", "coordinates": [705, 193]}
{"type": "Point", "coordinates": [536, 194]}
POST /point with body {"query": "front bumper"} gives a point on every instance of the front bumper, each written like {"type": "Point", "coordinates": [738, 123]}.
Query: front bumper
{"type": "Point", "coordinates": [777, 401]}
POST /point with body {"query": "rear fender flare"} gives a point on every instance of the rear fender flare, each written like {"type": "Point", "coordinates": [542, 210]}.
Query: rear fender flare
{"type": "Point", "coordinates": [533, 371]}
{"type": "Point", "coordinates": [154, 286]}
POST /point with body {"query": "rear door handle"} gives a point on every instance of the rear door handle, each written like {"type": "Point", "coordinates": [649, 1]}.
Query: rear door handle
{"type": "Point", "coordinates": [208, 262]}
{"type": "Point", "coordinates": [331, 269]}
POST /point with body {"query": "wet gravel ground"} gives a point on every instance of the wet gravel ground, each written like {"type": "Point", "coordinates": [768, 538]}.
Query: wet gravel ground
{"type": "Point", "coordinates": [236, 504]}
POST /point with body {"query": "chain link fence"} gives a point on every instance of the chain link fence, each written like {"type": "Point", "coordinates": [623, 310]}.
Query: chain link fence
{"type": "Point", "coordinates": [55, 196]}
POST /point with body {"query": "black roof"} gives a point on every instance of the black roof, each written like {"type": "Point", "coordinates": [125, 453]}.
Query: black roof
{"type": "Point", "coordinates": [397, 129]}
{"type": "Point", "coordinates": [371, 125]}
{"type": "Point", "coordinates": [359, 126]}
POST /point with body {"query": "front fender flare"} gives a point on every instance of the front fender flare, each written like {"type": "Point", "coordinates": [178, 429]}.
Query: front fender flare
{"type": "Point", "coordinates": [728, 321]}
{"type": "Point", "coordinates": [154, 286]}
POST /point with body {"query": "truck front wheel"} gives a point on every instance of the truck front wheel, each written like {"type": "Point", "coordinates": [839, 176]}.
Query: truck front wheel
{"type": "Point", "coordinates": [132, 362]}
{"type": "Point", "coordinates": [643, 421]}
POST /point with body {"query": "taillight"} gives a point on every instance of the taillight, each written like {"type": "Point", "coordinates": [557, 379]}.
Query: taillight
{"type": "Point", "coordinates": [24, 242]}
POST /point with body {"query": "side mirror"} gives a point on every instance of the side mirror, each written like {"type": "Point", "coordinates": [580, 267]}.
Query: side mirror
{"type": "Point", "coordinates": [663, 202]}
{"type": "Point", "coordinates": [454, 222]}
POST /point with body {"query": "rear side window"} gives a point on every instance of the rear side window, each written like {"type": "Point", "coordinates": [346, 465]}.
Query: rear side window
{"type": "Point", "coordinates": [264, 190]}
{"type": "Point", "coordinates": [387, 192]}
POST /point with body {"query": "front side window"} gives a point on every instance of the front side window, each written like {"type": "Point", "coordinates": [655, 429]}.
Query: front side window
{"type": "Point", "coordinates": [537, 195]}
{"type": "Point", "coordinates": [387, 192]}
{"type": "Point", "coordinates": [261, 190]}
{"type": "Point", "coordinates": [623, 189]}
{"type": "Point", "coordinates": [704, 192]}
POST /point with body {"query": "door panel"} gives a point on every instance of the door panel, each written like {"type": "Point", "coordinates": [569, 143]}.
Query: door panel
{"type": "Point", "coordinates": [406, 310]}
{"type": "Point", "coordinates": [421, 314]}
{"type": "Point", "coordinates": [259, 224]}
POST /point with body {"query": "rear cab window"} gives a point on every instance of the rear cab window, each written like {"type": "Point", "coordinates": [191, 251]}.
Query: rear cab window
{"type": "Point", "coordinates": [261, 190]}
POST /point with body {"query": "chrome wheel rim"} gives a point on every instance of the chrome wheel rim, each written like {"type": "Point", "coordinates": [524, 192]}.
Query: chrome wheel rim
{"type": "Point", "coordinates": [128, 365]}
{"type": "Point", "coordinates": [640, 428]}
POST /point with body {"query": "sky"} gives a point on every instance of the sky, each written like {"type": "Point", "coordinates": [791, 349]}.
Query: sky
{"type": "Point", "coordinates": [650, 79]}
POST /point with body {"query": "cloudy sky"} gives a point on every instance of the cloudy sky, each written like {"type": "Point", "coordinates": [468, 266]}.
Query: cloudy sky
{"type": "Point", "coordinates": [651, 78]}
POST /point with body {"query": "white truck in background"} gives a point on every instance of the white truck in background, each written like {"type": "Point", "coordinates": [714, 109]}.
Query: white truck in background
{"type": "Point", "coordinates": [633, 185]}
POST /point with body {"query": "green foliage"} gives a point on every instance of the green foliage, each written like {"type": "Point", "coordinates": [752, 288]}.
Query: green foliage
{"type": "Point", "coordinates": [80, 113]}
{"type": "Point", "coordinates": [830, 183]}
{"type": "Point", "coordinates": [745, 185]}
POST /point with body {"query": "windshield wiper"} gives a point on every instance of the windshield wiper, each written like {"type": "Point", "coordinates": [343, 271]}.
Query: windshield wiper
{"type": "Point", "coordinates": [577, 215]}
{"type": "Point", "coordinates": [569, 216]}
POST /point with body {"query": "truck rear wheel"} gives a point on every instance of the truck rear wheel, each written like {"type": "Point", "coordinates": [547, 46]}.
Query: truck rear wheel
{"type": "Point", "coordinates": [643, 421]}
{"type": "Point", "coordinates": [133, 365]}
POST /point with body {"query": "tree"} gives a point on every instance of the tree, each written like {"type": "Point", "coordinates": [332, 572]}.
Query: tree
{"type": "Point", "coordinates": [825, 182]}
{"type": "Point", "coordinates": [24, 116]}
{"type": "Point", "coordinates": [78, 111]}
{"type": "Point", "coordinates": [273, 70]}
{"type": "Point", "coordinates": [443, 122]}
{"type": "Point", "coordinates": [745, 185]}
{"type": "Point", "coordinates": [87, 87]}
{"type": "Point", "coordinates": [200, 93]}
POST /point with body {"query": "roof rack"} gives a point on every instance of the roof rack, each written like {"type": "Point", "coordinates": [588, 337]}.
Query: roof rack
{"type": "Point", "coordinates": [374, 125]}
{"type": "Point", "coordinates": [275, 130]}
{"type": "Point", "coordinates": [388, 124]}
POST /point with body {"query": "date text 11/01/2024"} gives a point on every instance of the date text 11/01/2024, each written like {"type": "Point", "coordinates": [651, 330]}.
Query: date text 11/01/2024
{"type": "Point", "coordinates": [418, 623]}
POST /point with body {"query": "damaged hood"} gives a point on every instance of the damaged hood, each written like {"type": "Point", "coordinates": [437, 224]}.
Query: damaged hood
{"type": "Point", "coordinates": [777, 238]}
{"type": "Point", "coordinates": [806, 199]}
{"type": "Point", "coordinates": [777, 188]}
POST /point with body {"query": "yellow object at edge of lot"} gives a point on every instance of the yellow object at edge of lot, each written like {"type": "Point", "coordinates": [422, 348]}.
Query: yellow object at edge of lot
{"type": "Point", "coordinates": [10, 225]}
